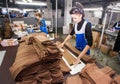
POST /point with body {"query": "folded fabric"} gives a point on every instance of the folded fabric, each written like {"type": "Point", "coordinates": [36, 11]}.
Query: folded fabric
{"type": "Point", "coordinates": [75, 79]}
{"type": "Point", "coordinates": [117, 79]}
{"type": "Point", "coordinates": [109, 71]}
{"type": "Point", "coordinates": [95, 75]}
{"type": "Point", "coordinates": [86, 59]}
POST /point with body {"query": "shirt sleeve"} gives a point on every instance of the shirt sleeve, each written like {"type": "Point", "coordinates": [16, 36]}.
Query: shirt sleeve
{"type": "Point", "coordinates": [88, 33]}
{"type": "Point", "coordinates": [114, 24]}
{"type": "Point", "coordinates": [72, 32]}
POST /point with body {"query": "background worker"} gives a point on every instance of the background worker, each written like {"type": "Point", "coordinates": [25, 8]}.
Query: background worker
{"type": "Point", "coordinates": [41, 23]}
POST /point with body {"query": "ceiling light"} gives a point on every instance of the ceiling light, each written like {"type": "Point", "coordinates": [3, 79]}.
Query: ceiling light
{"type": "Point", "coordinates": [29, 1]}
{"type": "Point", "coordinates": [93, 9]}
{"type": "Point", "coordinates": [15, 9]}
{"type": "Point", "coordinates": [33, 3]}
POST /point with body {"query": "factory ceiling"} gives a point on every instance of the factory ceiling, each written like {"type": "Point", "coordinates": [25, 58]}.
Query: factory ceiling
{"type": "Point", "coordinates": [86, 3]}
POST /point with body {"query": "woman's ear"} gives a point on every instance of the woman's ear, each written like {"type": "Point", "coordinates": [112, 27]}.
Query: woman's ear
{"type": "Point", "coordinates": [80, 15]}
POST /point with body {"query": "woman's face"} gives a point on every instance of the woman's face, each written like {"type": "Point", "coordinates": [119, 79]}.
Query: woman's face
{"type": "Point", "coordinates": [76, 17]}
{"type": "Point", "coordinates": [37, 17]}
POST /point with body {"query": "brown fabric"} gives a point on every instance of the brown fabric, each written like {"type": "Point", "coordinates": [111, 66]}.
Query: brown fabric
{"type": "Point", "coordinates": [68, 45]}
{"type": "Point", "coordinates": [44, 78]}
{"type": "Point", "coordinates": [28, 82]}
{"type": "Point", "coordinates": [109, 71]}
{"type": "Point", "coordinates": [95, 75]}
{"type": "Point", "coordinates": [37, 62]}
{"type": "Point", "coordinates": [56, 74]}
{"type": "Point", "coordinates": [70, 59]}
{"type": "Point", "coordinates": [73, 80]}
{"type": "Point", "coordinates": [64, 67]}
{"type": "Point", "coordinates": [22, 61]}
{"type": "Point", "coordinates": [117, 79]}
{"type": "Point", "coordinates": [86, 59]}
{"type": "Point", "coordinates": [26, 38]}
{"type": "Point", "coordinates": [40, 49]}
{"type": "Point", "coordinates": [57, 77]}
{"type": "Point", "coordinates": [36, 71]}
{"type": "Point", "coordinates": [46, 48]}
{"type": "Point", "coordinates": [85, 80]}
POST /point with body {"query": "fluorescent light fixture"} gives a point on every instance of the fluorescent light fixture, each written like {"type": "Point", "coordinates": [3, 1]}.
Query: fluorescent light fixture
{"type": "Point", "coordinates": [93, 9]}
{"type": "Point", "coordinates": [15, 9]}
{"type": "Point", "coordinates": [118, 5]}
{"type": "Point", "coordinates": [115, 8]}
{"type": "Point", "coordinates": [98, 14]}
{"type": "Point", "coordinates": [24, 1]}
{"type": "Point", "coordinates": [115, 11]}
{"type": "Point", "coordinates": [28, 9]}
{"type": "Point", "coordinates": [32, 3]}
{"type": "Point", "coordinates": [27, 1]}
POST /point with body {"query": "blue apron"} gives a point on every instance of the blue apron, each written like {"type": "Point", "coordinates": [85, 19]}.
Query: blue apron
{"type": "Point", "coordinates": [81, 41]}
{"type": "Point", "coordinates": [43, 26]}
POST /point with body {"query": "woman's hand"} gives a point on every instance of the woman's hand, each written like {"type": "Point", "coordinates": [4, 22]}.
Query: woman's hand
{"type": "Point", "coordinates": [77, 61]}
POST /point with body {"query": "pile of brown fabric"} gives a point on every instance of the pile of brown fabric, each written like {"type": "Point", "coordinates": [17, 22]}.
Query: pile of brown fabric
{"type": "Point", "coordinates": [116, 79]}
{"type": "Point", "coordinates": [37, 63]}
{"type": "Point", "coordinates": [109, 71]}
{"type": "Point", "coordinates": [94, 75]}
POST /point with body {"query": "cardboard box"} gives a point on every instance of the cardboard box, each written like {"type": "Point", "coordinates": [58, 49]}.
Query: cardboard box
{"type": "Point", "coordinates": [96, 38]}
{"type": "Point", "coordinates": [113, 53]}
{"type": "Point", "coordinates": [105, 49]}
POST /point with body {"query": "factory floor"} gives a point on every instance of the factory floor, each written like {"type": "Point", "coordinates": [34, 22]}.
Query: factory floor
{"type": "Point", "coordinates": [104, 59]}
{"type": "Point", "coordinates": [6, 78]}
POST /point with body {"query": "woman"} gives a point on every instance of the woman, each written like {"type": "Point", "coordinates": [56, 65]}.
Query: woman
{"type": "Point", "coordinates": [117, 41]}
{"type": "Point", "coordinates": [41, 23]}
{"type": "Point", "coordinates": [82, 29]}
{"type": "Point", "coordinates": [116, 25]}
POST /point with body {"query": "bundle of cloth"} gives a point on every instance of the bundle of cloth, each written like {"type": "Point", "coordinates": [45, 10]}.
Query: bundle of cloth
{"type": "Point", "coordinates": [37, 62]}
{"type": "Point", "coordinates": [90, 74]}
{"type": "Point", "coordinates": [93, 75]}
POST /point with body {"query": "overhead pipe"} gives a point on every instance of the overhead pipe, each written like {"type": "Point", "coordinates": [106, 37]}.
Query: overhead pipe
{"type": "Point", "coordinates": [8, 11]}
{"type": "Point", "coordinates": [56, 17]}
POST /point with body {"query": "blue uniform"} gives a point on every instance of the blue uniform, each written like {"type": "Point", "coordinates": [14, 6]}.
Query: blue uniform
{"type": "Point", "coordinates": [43, 26]}
{"type": "Point", "coordinates": [117, 27]}
{"type": "Point", "coordinates": [81, 41]}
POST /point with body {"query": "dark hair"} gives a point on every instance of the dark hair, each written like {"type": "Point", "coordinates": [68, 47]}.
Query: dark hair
{"type": "Point", "coordinates": [77, 9]}
{"type": "Point", "coordinates": [38, 14]}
